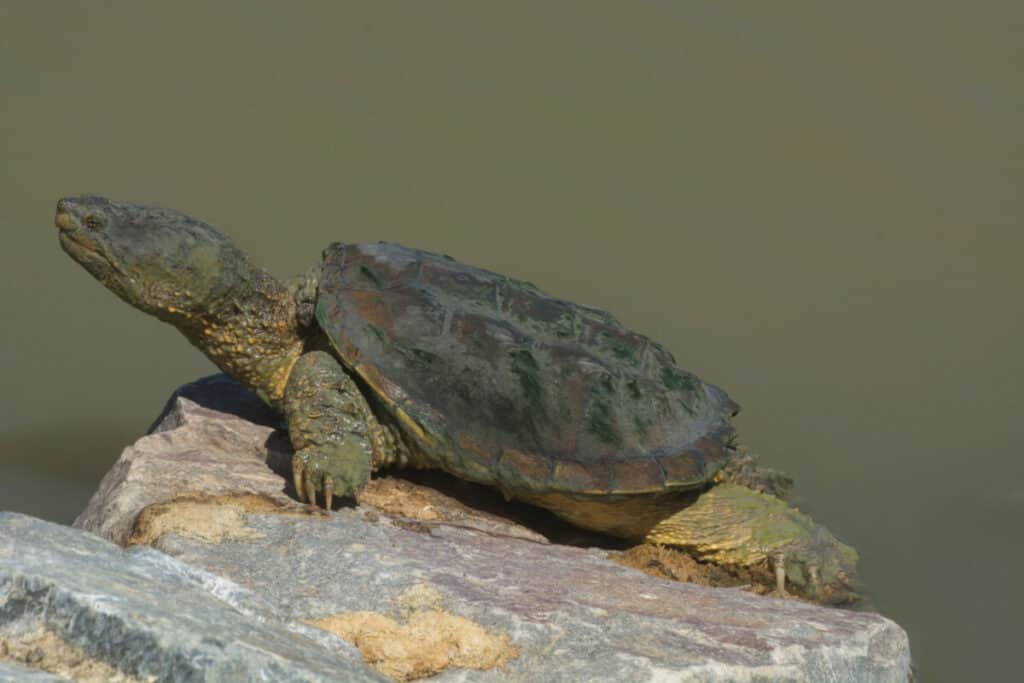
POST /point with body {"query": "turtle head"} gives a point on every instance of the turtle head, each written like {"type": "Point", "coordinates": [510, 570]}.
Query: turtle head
{"type": "Point", "coordinates": [817, 565]}
{"type": "Point", "coordinates": [188, 274]}
{"type": "Point", "coordinates": [158, 260]}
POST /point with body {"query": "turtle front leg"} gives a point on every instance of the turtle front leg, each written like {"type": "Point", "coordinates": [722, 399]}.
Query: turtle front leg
{"type": "Point", "coordinates": [336, 437]}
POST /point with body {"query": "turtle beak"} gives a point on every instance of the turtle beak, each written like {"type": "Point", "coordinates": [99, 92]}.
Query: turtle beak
{"type": "Point", "coordinates": [64, 220]}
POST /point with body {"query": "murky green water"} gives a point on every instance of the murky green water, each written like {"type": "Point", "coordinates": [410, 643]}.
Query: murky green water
{"type": "Point", "coordinates": [817, 207]}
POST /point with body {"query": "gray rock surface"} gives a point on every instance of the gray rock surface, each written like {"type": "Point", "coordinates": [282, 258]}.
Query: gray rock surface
{"type": "Point", "coordinates": [201, 489]}
{"type": "Point", "coordinates": [212, 436]}
{"type": "Point", "coordinates": [15, 673]}
{"type": "Point", "coordinates": [147, 615]}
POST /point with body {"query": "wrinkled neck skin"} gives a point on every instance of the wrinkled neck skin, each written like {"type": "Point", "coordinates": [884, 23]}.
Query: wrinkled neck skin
{"type": "Point", "coordinates": [237, 314]}
{"type": "Point", "coordinates": [189, 274]}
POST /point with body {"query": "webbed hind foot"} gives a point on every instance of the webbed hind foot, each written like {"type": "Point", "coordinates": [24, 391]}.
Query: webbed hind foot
{"type": "Point", "coordinates": [733, 526]}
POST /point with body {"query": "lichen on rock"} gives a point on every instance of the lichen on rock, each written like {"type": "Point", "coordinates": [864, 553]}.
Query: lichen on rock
{"type": "Point", "coordinates": [425, 644]}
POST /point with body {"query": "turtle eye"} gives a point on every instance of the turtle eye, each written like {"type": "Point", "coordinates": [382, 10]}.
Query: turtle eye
{"type": "Point", "coordinates": [93, 222]}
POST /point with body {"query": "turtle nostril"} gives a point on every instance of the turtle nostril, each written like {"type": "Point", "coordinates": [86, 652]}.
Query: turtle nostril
{"type": "Point", "coordinates": [65, 205]}
{"type": "Point", "coordinates": [63, 219]}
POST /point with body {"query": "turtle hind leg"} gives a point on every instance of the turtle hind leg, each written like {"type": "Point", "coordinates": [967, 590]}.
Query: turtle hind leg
{"type": "Point", "coordinates": [336, 437]}
{"type": "Point", "coordinates": [759, 535]}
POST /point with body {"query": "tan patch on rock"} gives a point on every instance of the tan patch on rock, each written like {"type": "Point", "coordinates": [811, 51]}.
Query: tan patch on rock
{"type": "Point", "coordinates": [665, 563]}
{"type": "Point", "coordinates": [430, 641]}
{"type": "Point", "coordinates": [46, 651]}
{"type": "Point", "coordinates": [397, 497]}
{"type": "Point", "coordinates": [419, 507]}
{"type": "Point", "coordinates": [208, 519]}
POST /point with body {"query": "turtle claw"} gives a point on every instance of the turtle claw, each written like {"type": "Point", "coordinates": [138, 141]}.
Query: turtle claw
{"type": "Point", "coordinates": [310, 488]}
{"type": "Point", "coordinates": [297, 477]}
{"type": "Point", "coordinates": [815, 582]}
{"type": "Point", "coordinates": [328, 493]}
{"type": "Point", "coordinates": [780, 575]}
{"type": "Point", "coordinates": [339, 470]}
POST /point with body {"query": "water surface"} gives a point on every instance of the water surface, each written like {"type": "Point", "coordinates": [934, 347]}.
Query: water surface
{"type": "Point", "coordinates": [818, 209]}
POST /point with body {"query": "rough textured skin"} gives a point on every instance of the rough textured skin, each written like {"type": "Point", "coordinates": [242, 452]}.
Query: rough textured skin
{"type": "Point", "coordinates": [501, 384]}
{"type": "Point", "coordinates": [732, 526]}
{"type": "Point", "coordinates": [188, 274]}
{"type": "Point", "coordinates": [336, 437]}
{"type": "Point", "coordinates": [459, 368]}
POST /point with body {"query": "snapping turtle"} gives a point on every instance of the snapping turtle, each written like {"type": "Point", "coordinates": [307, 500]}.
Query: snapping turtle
{"type": "Point", "coordinates": [387, 356]}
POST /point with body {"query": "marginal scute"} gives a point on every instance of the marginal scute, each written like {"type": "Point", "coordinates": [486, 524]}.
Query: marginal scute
{"type": "Point", "coordinates": [381, 384]}
{"type": "Point", "coordinates": [684, 469]}
{"type": "Point", "coordinates": [473, 364]}
{"type": "Point", "coordinates": [574, 476]}
{"type": "Point", "coordinates": [526, 469]}
{"type": "Point", "coordinates": [639, 475]}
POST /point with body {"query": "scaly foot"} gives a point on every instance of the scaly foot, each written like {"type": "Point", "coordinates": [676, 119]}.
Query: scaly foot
{"type": "Point", "coordinates": [341, 469]}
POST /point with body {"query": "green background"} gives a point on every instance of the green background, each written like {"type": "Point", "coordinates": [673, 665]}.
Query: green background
{"type": "Point", "coordinates": [816, 206]}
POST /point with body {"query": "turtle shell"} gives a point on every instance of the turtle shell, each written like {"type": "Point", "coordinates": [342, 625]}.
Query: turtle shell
{"type": "Point", "coordinates": [499, 383]}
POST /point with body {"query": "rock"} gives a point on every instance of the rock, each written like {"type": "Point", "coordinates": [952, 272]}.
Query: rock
{"type": "Point", "coordinates": [81, 607]}
{"type": "Point", "coordinates": [14, 673]}
{"type": "Point", "coordinates": [211, 437]}
{"type": "Point", "coordinates": [427, 585]}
